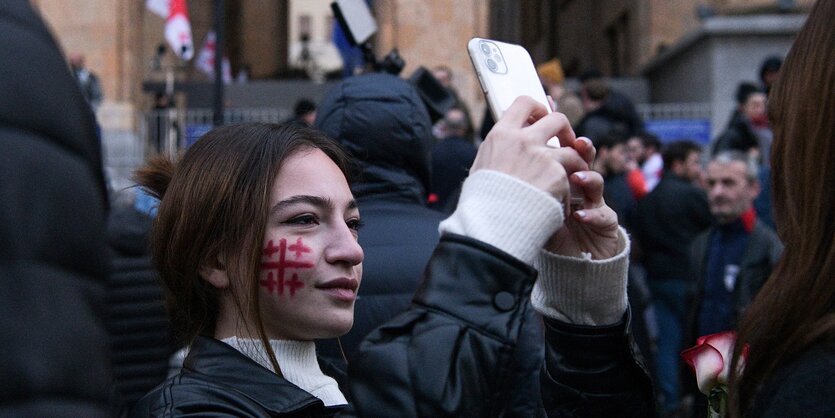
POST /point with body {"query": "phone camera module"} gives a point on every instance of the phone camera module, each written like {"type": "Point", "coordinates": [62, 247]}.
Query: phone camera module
{"type": "Point", "coordinates": [492, 64]}
{"type": "Point", "coordinates": [485, 48]}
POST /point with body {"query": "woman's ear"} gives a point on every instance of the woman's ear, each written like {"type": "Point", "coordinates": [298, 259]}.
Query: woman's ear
{"type": "Point", "coordinates": [215, 274]}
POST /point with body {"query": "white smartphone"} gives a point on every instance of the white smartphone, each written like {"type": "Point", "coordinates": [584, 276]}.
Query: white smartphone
{"type": "Point", "coordinates": [505, 71]}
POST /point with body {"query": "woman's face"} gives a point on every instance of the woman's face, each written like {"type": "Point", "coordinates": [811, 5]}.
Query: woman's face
{"type": "Point", "coordinates": [311, 261]}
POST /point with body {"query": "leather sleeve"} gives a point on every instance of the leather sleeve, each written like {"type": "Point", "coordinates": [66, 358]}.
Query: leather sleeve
{"type": "Point", "coordinates": [594, 372]}
{"type": "Point", "coordinates": [451, 353]}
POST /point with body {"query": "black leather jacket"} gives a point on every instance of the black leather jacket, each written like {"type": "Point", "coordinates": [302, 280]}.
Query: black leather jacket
{"type": "Point", "coordinates": [451, 354]}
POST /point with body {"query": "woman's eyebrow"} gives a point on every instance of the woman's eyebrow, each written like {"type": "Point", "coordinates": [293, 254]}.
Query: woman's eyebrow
{"type": "Point", "coordinates": [316, 201]}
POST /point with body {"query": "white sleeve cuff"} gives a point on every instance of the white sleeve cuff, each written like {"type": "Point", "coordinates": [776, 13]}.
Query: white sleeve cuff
{"type": "Point", "coordinates": [506, 213]}
{"type": "Point", "coordinates": [581, 290]}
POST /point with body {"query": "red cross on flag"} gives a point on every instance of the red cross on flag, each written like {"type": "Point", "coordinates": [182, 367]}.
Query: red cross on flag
{"type": "Point", "coordinates": [178, 30]}
{"type": "Point", "coordinates": [205, 61]}
{"type": "Point", "coordinates": [177, 26]}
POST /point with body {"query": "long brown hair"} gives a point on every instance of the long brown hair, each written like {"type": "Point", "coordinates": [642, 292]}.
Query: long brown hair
{"type": "Point", "coordinates": [213, 212]}
{"type": "Point", "coordinates": [796, 306]}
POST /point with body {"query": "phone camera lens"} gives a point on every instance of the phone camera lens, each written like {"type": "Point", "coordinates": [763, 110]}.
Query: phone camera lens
{"type": "Point", "coordinates": [485, 48]}
{"type": "Point", "coordinates": [492, 65]}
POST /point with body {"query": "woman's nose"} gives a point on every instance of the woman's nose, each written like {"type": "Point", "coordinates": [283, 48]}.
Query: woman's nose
{"type": "Point", "coordinates": [344, 247]}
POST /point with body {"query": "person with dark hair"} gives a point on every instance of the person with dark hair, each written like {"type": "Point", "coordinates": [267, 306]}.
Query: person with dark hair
{"type": "Point", "coordinates": [304, 113]}
{"type": "Point", "coordinates": [444, 75]}
{"type": "Point", "coordinates": [788, 332]}
{"type": "Point", "coordinates": [598, 120]}
{"type": "Point", "coordinates": [616, 105]}
{"type": "Point", "coordinates": [256, 243]}
{"type": "Point", "coordinates": [53, 242]}
{"type": "Point", "coordinates": [666, 222]}
{"type": "Point", "coordinates": [645, 149]}
{"type": "Point", "coordinates": [612, 163]}
{"type": "Point", "coordinates": [749, 114]}
{"type": "Point", "coordinates": [769, 70]}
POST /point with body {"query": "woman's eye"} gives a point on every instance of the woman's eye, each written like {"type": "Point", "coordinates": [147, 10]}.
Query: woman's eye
{"type": "Point", "coordinates": [303, 220]}
{"type": "Point", "coordinates": [355, 224]}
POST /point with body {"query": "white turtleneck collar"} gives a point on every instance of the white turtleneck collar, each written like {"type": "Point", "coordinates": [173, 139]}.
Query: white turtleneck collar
{"type": "Point", "coordinates": [298, 364]}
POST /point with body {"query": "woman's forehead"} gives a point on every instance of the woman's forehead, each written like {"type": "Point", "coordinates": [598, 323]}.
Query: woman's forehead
{"type": "Point", "coordinates": [310, 172]}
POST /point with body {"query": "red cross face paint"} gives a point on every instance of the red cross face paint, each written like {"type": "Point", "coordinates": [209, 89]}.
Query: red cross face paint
{"type": "Point", "coordinates": [277, 265]}
{"type": "Point", "coordinates": [311, 263]}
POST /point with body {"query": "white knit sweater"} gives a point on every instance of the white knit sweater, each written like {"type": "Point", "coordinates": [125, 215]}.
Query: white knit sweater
{"type": "Point", "coordinates": [518, 219]}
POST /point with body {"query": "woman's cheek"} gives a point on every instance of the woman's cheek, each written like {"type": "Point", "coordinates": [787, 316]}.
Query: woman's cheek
{"type": "Point", "coordinates": [281, 263]}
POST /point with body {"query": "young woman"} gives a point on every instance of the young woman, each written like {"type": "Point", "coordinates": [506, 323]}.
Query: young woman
{"type": "Point", "coordinates": [255, 240]}
{"type": "Point", "coordinates": [790, 326]}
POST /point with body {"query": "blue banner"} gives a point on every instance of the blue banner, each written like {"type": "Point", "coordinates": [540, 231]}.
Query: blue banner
{"type": "Point", "coordinates": [669, 130]}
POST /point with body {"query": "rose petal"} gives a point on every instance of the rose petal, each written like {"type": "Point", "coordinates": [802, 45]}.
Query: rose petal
{"type": "Point", "coordinates": [706, 362]}
{"type": "Point", "coordinates": [724, 343]}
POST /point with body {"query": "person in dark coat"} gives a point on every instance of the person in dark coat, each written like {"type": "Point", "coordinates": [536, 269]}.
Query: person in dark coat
{"type": "Point", "coordinates": [788, 332]}
{"type": "Point", "coordinates": [666, 222]}
{"type": "Point", "coordinates": [732, 259]}
{"type": "Point", "coordinates": [261, 215]}
{"type": "Point", "coordinates": [142, 342]}
{"type": "Point", "coordinates": [740, 134]}
{"type": "Point", "coordinates": [382, 123]}
{"type": "Point", "coordinates": [52, 231]}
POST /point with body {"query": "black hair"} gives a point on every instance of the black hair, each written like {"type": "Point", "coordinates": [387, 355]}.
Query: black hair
{"type": "Point", "coordinates": [678, 151]}
{"type": "Point", "coordinates": [745, 90]}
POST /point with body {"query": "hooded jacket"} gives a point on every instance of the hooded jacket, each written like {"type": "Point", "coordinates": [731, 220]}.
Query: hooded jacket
{"type": "Point", "coordinates": [382, 123]}
{"type": "Point", "coordinates": [52, 231]}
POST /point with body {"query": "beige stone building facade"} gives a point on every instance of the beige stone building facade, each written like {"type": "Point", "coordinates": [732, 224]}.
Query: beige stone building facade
{"type": "Point", "coordinates": [120, 37]}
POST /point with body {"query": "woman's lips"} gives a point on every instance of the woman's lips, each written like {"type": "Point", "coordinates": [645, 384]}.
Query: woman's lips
{"type": "Point", "coordinates": [343, 288]}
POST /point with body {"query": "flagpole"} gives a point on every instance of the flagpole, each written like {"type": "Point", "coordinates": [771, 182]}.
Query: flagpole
{"type": "Point", "coordinates": [218, 96]}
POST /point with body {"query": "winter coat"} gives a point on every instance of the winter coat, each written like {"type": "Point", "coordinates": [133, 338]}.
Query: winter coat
{"type": "Point", "coordinates": [761, 254]}
{"type": "Point", "coordinates": [382, 123]}
{"type": "Point", "coordinates": [449, 355]}
{"type": "Point", "coordinates": [136, 319]}
{"type": "Point", "coordinates": [665, 223]}
{"type": "Point", "coordinates": [52, 231]}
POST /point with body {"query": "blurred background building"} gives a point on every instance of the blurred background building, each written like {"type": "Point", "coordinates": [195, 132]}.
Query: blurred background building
{"type": "Point", "coordinates": [676, 59]}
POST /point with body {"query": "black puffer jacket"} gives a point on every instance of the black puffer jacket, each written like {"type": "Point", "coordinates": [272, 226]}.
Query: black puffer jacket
{"type": "Point", "coordinates": [53, 256]}
{"type": "Point", "coordinates": [136, 318]}
{"type": "Point", "coordinates": [449, 355]}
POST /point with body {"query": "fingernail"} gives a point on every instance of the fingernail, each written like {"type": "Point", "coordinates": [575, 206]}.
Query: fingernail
{"type": "Point", "coordinates": [581, 214]}
{"type": "Point", "coordinates": [581, 176]}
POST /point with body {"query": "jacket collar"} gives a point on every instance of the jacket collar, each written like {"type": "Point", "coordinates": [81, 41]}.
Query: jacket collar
{"type": "Point", "coordinates": [224, 364]}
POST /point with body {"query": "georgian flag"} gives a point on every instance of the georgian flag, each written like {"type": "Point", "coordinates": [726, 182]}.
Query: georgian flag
{"type": "Point", "coordinates": [206, 59]}
{"type": "Point", "coordinates": [177, 26]}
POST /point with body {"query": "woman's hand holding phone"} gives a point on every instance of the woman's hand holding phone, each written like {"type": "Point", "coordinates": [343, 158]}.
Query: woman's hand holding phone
{"type": "Point", "coordinates": [516, 146]}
